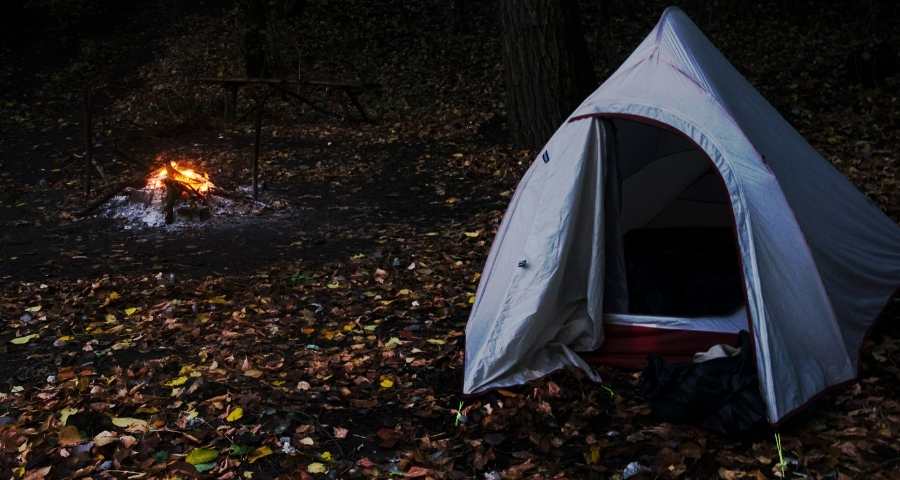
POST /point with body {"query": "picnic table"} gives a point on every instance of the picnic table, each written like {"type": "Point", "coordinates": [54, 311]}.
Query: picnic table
{"type": "Point", "coordinates": [233, 84]}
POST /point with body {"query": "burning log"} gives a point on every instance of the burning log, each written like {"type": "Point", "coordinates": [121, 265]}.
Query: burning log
{"type": "Point", "coordinates": [181, 183]}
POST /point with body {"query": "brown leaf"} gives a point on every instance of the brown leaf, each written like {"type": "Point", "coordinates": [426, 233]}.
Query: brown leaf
{"type": "Point", "coordinates": [516, 472]}
{"type": "Point", "coordinates": [38, 474]}
{"type": "Point", "coordinates": [69, 436]}
{"type": "Point", "coordinates": [417, 472]}
{"type": "Point", "coordinates": [389, 437]}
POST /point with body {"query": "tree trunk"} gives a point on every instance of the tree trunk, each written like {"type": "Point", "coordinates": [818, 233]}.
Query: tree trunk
{"type": "Point", "coordinates": [548, 70]}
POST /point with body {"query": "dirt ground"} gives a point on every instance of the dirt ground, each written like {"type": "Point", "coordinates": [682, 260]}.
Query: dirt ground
{"type": "Point", "coordinates": [325, 338]}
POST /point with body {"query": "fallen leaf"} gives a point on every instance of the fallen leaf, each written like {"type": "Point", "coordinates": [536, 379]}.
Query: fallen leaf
{"type": "Point", "coordinates": [316, 468]}
{"type": "Point", "coordinates": [131, 311]}
{"type": "Point", "coordinates": [237, 450]}
{"type": "Point", "coordinates": [253, 373]}
{"type": "Point", "coordinates": [472, 234]}
{"type": "Point", "coordinates": [389, 437]}
{"type": "Point", "coordinates": [65, 413]}
{"type": "Point", "coordinates": [199, 456]}
{"type": "Point", "coordinates": [34, 309]}
{"type": "Point", "coordinates": [130, 424]}
{"type": "Point", "coordinates": [386, 382]}
{"type": "Point", "coordinates": [105, 438]}
{"type": "Point", "coordinates": [38, 474]}
{"type": "Point", "coordinates": [177, 381]}
{"type": "Point", "coordinates": [326, 456]}
{"type": "Point", "coordinates": [24, 340]}
{"type": "Point", "coordinates": [69, 436]}
{"type": "Point", "coordinates": [260, 452]}
{"type": "Point", "coordinates": [205, 467]}
{"type": "Point", "coordinates": [417, 472]}
{"type": "Point", "coordinates": [235, 414]}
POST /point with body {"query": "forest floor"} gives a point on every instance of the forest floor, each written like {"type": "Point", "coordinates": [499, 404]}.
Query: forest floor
{"type": "Point", "coordinates": [325, 338]}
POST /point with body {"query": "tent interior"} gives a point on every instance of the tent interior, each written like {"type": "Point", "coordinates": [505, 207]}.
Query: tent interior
{"type": "Point", "coordinates": [681, 258]}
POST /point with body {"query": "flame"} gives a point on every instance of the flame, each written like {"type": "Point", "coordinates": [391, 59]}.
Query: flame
{"type": "Point", "coordinates": [198, 182]}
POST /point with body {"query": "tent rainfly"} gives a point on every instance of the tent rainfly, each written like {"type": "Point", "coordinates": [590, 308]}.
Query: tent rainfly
{"type": "Point", "coordinates": [613, 240]}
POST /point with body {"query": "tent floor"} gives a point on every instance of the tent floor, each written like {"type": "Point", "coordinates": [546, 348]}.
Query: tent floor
{"type": "Point", "coordinates": [685, 295]}
{"type": "Point", "coordinates": [627, 346]}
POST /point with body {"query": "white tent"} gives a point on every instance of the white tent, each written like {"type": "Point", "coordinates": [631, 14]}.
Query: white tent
{"type": "Point", "coordinates": [677, 139]}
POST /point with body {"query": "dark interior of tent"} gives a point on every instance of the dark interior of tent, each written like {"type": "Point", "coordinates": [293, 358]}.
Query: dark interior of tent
{"type": "Point", "coordinates": [680, 247]}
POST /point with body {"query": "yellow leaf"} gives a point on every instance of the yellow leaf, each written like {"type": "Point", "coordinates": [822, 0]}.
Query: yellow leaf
{"type": "Point", "coordinates": [110, 318]}
{"type": "Point", "coordinates": [235, 414]}
{"type": "Point", "coordinates": [326, 456]}
{"type": "Point", "coordinates": [316, 468]}
{"type": "Point", "coordinates": [199, 456]}
{"type": "Point", "coordinates": [112, 296]}
{"type": "Point", "coordinates": [333, 285]}
{"type": "Point", "coordinates": [65, 413]}
{"type": "Point", "coordinates": [260, 452]}
{"type": "Point", "coordinates": [65, 338]}
{"type": "Point", "coordinates": [472, 234]}
{"type": "Point", "coordinates": [218, 300]}
{"type": "Point", "coordinates": [130, 424]}
{"type": "Point", "coordinates": [34, 309]}
{"type": "Point", "coordinates": [328, 334]}
{"type": "Point", "coordinates": [177, 381]}
{"type": "Point", "coordinates": [404, 291]}
{"type": "Point", "coordinates": [595, 455]}
{"type": "Point", "coordinates": [202, 317]}
{"type": "Point", "coordinates": [435, 341]}
{"type": "Point", "coordinates": [131, 310]}
{"type": "Point", "coordinates": [471, 299]}
{"type": "Point", "coordinates": [253, 373]}
{"type": "Point", "coordinates": [24, 340]}
{"type": "Point", "coordinates": [386, 382]}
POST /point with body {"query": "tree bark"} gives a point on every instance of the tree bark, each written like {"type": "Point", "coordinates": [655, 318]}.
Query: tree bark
{"type": "Point", "coordinates": [547, 66]}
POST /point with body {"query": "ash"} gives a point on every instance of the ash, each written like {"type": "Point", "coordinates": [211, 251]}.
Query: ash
{"type": "Point", "coordinates": [143, 208]}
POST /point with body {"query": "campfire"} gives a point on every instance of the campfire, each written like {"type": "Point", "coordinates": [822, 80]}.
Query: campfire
{"type": "Point", "coordinates": [178, 193]}
{"type": "Point", "coordinates": [178, 189]}
{"type": "Point", "coordinates": [185, 178]}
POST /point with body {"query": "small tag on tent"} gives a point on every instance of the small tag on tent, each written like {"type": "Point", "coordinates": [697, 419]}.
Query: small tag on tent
{"type": "Point", "coordinates": [546, 156]}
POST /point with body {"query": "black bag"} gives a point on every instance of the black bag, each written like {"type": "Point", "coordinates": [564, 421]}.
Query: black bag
{"type": "Point", "coordinates": [721, 394]}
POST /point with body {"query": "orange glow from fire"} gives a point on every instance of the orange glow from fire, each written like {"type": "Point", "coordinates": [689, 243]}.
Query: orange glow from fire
{"type": "Point", "coordinates": [187, 176]}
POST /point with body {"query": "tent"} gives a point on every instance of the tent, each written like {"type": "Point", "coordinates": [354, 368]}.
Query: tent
{"type": "Point", "coordinates": [674, 208]}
